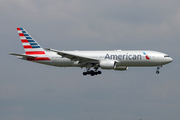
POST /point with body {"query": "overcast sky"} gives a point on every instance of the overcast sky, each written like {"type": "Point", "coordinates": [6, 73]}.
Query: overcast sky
{"type": "Point", "coordinates": [31, 91]}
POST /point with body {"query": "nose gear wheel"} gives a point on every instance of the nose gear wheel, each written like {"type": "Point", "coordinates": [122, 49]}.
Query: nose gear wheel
{"type": "Point", "coordinates": [158, 67]}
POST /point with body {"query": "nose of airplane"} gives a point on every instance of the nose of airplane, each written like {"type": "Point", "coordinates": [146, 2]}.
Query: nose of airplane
{"type": "Point", "coordinates": [167, 60]}
{"type": "Point", "coordinates": [170, 59]}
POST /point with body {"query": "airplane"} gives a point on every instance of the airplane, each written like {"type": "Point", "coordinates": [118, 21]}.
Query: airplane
{"type": "Point", "coordinates": [118, 60]}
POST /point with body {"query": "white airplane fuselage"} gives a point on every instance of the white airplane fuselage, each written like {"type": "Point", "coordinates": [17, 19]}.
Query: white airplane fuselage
{"type": "Point", "coordinates": [122, 58]}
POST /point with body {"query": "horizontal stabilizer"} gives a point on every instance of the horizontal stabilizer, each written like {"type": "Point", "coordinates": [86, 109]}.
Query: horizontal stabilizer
{"type": "Point", "coordinates": [22, 55]}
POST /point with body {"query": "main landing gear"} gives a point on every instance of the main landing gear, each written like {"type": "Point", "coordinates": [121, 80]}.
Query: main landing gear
{"type": "Point", "coordinates": [92, 73]}
{"type": "Point", "coordinates": [158, 67]}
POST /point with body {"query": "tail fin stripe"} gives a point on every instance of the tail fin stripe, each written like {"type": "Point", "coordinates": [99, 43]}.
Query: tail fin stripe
{"type": "Point", "coordinates": [38, 58]}
{"type": "Point", "coordinates": [19, 31]}
{"type": "Point", "coordinates": [19, 28]}
{"type": "Point", "coordinates": [27, 46]}
{"type": "Point", "coordinates": [30, 47]}
{"type": "Point", "coordinates": [34, 52]}
{"type": "Point", "coordinates": [22, 37]}
{"type": "Point", "coordinates": [33, 43]}
{"type": "Point", "coordinates": [28, 37]}
{"type": "Point", "coordinates": [34, 49]}
{"type": "Point", "coordinates": [21, 34]}
{"type": "Point", "coordinates": [24, 40]}
{"type": "Point", "coordinates": [35, 46]}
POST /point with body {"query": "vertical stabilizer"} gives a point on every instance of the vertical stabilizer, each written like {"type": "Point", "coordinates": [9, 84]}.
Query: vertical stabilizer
{"type": "Point", "coordinates": [31, 47]}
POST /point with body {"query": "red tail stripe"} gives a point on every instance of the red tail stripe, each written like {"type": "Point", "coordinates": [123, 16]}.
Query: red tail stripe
{"type": "Point", "coordinates": [18, 29]}
{"type": "Point", "coordinates": [27, 46]}
{"type": "Point", "coordinates": [34, 52]}
{"type": "Point", "coordinates": [24, 40]}
{"type": "Point", "coordinates": [21, 34]}
{"type": "Point", "coordinates": [38, 58]}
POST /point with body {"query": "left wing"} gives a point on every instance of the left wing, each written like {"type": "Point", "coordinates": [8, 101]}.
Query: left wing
{"type": "Point", "coordinates": [72, 57]}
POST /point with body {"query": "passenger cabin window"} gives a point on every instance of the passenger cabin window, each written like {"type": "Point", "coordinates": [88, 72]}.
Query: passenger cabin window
{"type": "Point", "coordinates": [166, 56]}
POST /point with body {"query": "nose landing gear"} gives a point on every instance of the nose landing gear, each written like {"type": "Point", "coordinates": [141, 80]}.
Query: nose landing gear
{"type": "Point", "coordinates": [157, 72]}
{"type": "Point", "coordinates": [158, 67]}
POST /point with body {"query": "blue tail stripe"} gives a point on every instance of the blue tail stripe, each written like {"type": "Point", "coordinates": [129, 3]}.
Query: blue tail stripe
{"type": "Point", "coordinates": [28, 37]}
{"type": "Point", "coordinates": [31, 41]}
{"type": "Point", "coordinates": [33, 44]}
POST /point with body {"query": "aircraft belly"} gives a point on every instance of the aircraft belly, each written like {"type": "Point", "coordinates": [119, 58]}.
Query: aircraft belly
{"type": "Point", "coordinates": [44, 62]}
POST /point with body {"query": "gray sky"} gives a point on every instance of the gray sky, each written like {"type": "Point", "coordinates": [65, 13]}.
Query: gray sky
{"type": "Point", "coordinates": [30, 91]}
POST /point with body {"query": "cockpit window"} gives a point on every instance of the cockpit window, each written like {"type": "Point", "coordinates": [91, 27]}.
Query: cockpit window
{"type": "Point", "coordinates": [166, 56]}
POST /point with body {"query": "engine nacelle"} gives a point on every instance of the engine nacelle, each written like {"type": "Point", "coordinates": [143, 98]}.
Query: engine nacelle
{"type": "Point", "coordinates": [111, 64]}
{"type": "Point", "coordinates": [121, 68]}
{"type": "Point", "coordinates": [107, 64]}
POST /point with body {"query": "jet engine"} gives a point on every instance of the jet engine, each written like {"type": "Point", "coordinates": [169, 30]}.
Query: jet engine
{"type": "Point", "coordinates": [111, 64]}
{"type": "Point", "coordinates": [107, 64]}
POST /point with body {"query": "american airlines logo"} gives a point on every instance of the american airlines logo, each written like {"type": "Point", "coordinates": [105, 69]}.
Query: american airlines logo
{"type": "Point", "coordinates": [147, 57]}
{"type": "Point", "coordinates": [123, 57]}
{"type": "Point", "coordinates": [126, 57]}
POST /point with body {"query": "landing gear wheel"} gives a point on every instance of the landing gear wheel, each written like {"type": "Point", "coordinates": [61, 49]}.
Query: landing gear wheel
{"type": "Point", "coordinates": [99, 72]}
{"type": "Point", "coordinates": [84, 73]}
{"type": "Point", "coordinates": [158, 67]}
{"type": "Point", "coordinates": [95, 73]}
{"type": "Point", "coordinates": [92, 72]}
